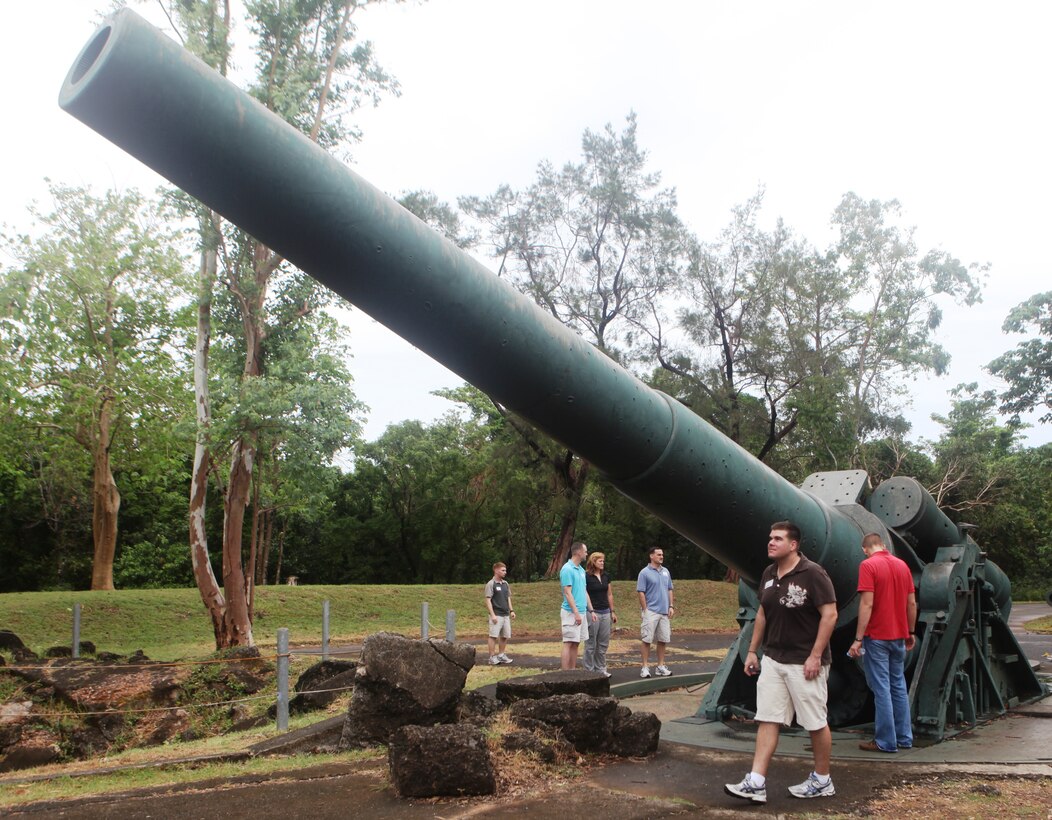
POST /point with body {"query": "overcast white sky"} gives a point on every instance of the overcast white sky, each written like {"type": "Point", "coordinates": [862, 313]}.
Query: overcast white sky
{"type": "Point", "coordinates": [941, 105]}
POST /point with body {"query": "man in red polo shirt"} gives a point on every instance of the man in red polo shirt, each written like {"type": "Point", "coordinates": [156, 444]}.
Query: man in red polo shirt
{"type": "Point", "coordinates": [887, 617]}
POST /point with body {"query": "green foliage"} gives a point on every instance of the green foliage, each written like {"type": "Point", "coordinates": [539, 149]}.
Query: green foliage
{"type": "Point", "coordinates": [92, 333]}
{"type": "Point", "coordinates": [146, 565]}
{"type": "Point", "coordinates": [594, 244]}
{"type": "Point", "coordinates": [425, 503]}
{"type": "Point", "coordinates": [801, 355]}
{"type": "Point", "coordinates": [441, 216]}
{"type": "Point", "coordinates": [1028, 367]}
{"type": "Point", "coordinates": [294, 47]}
{"type": "Point", "coordinates": [983, 478]}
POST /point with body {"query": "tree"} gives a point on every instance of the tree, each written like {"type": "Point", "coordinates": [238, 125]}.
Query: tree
{"type": "Point", "coordinates": [1028, 367]}
{"type": "Point", "coordinates": [896, 308]}
{"type": "Point", "coordinates": [803, 356]}
{"type": "Point", "coordinates": [595, 244]}
{"type": "Point", "coordinates": [736, 362]}
{"type": "Point", "coordinates": [308, 73]}
{"type": "Point", "coordinates": [984, 478]}
{"type": "Point", "coordinates": [972, 456]}
{"type": "Point", "coordinates": [91, 337]}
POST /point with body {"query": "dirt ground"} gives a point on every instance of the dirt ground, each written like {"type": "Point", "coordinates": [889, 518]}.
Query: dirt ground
{"type": "Point", "coordinates": [678, 781]}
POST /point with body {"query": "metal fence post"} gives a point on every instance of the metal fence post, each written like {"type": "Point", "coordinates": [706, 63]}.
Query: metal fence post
{"type": "Point", "coordinates": [325, 630]}
{"type": "Point", "coordinates": [283, 679]}
{"type": "Point", "coordinates": [76, 630]}
{"type": "Point", "coordinates": [451, 625]}
{"type": "Point", "coordinates": [423, 621]}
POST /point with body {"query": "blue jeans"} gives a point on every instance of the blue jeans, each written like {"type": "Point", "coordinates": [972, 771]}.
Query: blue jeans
{"type": "Point", "coordinates": [885, 665]}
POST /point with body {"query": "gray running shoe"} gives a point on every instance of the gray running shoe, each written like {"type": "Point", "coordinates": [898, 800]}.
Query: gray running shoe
{"type": "Point", "coordinates": [812, 788]}
{"type": "Point", "coordinates": [747, 791]}
{"type": "Point", "coordinates": [644, 672]}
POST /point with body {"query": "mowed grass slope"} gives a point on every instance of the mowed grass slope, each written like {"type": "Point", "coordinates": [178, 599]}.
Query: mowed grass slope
{"type": "Point", "coordinates": [172, 623]}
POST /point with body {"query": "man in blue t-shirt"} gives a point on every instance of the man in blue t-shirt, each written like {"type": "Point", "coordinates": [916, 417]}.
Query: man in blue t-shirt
{"type": "Point", "coordinates": [655, 609]}
{"type": "Point", "coordinates": [576, 608]}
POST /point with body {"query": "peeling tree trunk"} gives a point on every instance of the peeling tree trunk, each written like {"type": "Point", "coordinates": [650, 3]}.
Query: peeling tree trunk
{"type": "Point", "coordinates": [251, 574]}
{"type": "Point", "coordinates": [238, 623]}
{"type": "Point", "coordinates": [281, 555]}
{"type": "Point", "coordinates": [106, 502]}
{"type": "Point", "coordinates": [207, 586]}
{"type": "Point", "coordinates": [267, 540]}
{"type": "Point", "coordinates": [573, 480]}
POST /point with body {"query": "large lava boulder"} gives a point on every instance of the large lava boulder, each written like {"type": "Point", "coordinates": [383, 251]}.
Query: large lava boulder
{"type": "Point", "coordinates": [592, 725]}
{"type": "Point", "coordinates": [547, 684]}
{"type": "Point", "coordinates": [321, 684]}
{"type": "Point", "coordinates": [401, 682]}
{"type": "Point", "coordinates": [445, 760]}
{"type": "Point", "coordinates": [634, 734]}
{"type": "Point", "coordinates": [10, 641]}
{"type": "Point", "coordinates": [584, 721]}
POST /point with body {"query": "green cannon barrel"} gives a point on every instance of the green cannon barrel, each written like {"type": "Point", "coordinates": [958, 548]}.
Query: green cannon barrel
{"type": "Point", "coordinates": [142, 91]}
{"type": "Point", "coordinates": [903, 504]}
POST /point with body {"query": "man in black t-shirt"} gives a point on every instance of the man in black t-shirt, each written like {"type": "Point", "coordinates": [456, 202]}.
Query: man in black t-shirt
{"type": "Point", "coordinates": [794, 622]}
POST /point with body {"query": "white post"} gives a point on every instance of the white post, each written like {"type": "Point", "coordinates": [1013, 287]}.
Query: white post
{"type": "Point", "coordinates": [451, 625]}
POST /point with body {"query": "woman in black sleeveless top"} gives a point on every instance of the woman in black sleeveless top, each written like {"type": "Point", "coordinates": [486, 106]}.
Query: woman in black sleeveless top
{"type": "Point", "coordinates": [601, 597]}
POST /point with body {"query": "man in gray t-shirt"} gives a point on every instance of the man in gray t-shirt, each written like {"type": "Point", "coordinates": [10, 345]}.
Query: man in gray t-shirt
{"type": "Point", "coordinates": [498, 602]}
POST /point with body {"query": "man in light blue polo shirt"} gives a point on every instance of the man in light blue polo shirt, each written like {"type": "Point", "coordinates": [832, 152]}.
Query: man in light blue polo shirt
{"type": "Point", "coordinates": [576, 607]}
{"type": "Point", "coordinates": [656, 608]}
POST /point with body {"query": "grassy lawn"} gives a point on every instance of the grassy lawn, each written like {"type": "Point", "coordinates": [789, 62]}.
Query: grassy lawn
{"type": "Point", "coordinates": [65, 787]}
{"type": "Point", "coordinates": [1041, 625]}
{"type": "Point", "coordinates": [172, 623]}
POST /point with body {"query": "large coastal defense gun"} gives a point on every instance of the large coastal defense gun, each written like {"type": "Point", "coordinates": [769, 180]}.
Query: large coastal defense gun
{"type": "Point", "coordinates": [142, 91]}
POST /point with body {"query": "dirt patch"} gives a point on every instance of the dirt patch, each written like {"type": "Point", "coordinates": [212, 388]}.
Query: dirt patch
{"type": "Point", "coordinates": [981, 798]}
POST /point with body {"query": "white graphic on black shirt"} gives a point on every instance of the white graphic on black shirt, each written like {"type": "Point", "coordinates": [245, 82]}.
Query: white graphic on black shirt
{"type": "Point", "coordinates": [794, 597]}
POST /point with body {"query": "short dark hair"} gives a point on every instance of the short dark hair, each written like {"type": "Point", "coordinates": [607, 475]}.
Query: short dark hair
{"type": "Point", "coordinates": [789, 528]}
{"type": "Point", "coordinates": [577, 545]}
{"type": "Point", "coordinates": [872, 539]}
{"type": "Point", "coordinates": [652, 550]}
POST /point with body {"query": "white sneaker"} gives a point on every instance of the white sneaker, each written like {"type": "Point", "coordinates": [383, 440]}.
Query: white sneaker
{"type": "Point", "coordinates": [662, 671]}
{"type": "Point", "coordinates": [503, 658]}
{"type": "Point", "coordinates": [812, 788]}
{"type": "Point", "coordinates": [747, 791]}
{"type": "Point", "coordinates": [644, 672]}
{"type": "Point", "coordinates": [494, 660]}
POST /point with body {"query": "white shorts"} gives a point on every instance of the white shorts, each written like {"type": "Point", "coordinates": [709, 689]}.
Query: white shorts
{"type": "Point", "coordinates": [573, 633]}
{"type": "Point", "coordinates": [782, 691]}
{"type": "Point", "coordinates": [655, 628]}
{"type": "Point", "coordinates": [502, 628]}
